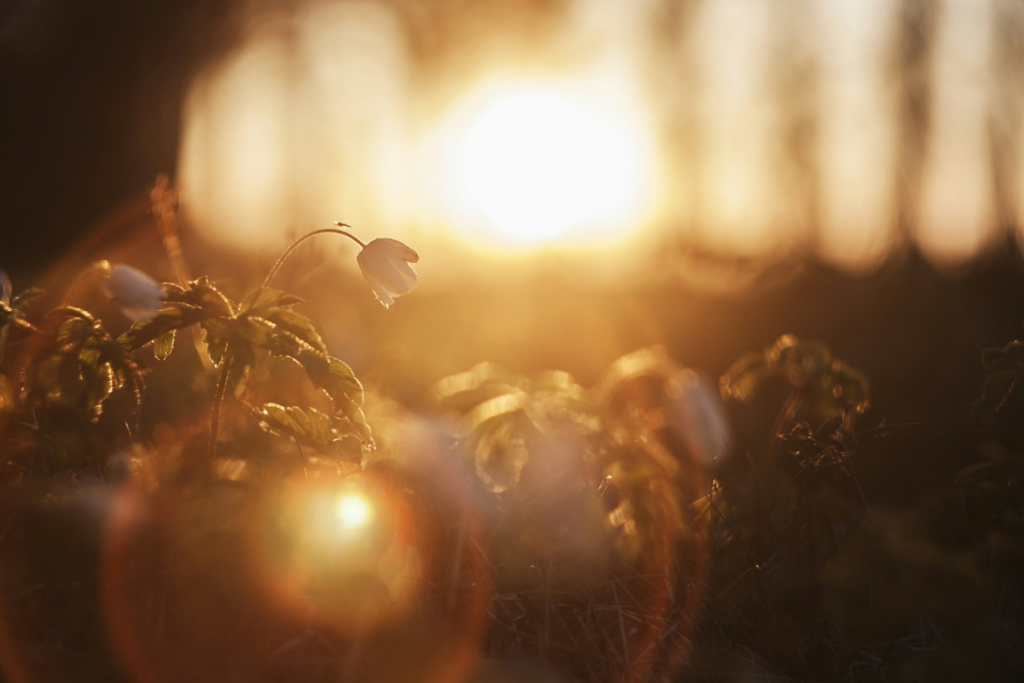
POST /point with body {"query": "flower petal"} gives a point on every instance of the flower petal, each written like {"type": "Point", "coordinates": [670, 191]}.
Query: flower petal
{"type": "Point", "coordinates": [398, 277]}
{"type": "Point", "coordinates": [405, 252]}
{"type": "Point", "coordinates": [139, 295]}
{"type": "Point", "coordinates": [379, 290]}
{"type": "Point", "coordinates": [385, 265]}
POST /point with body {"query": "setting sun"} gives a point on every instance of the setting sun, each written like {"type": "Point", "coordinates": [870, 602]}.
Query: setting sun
{"type": "Point", "coordinates": [533, 165]}
{"type": "Point", "coordinates": [353, 511]}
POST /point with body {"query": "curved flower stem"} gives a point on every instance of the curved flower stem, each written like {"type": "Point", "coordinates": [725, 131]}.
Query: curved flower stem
{"type": "Point", "coordinates": [102, 267]}
{"type": "Point", "coordinates": [293, 245]}
{"type": "Point", "coordinates": [218, 402]}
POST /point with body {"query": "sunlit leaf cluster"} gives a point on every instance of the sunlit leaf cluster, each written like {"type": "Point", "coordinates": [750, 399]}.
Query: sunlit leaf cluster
{"type": "Point", "coordinates": [615, 451]}
{"type": "Point", "coordinates": [823, 385]}
{"type": "Point", "coordinates": [236, 335]}
{"type": "Point", "coordinates": [79, 364]}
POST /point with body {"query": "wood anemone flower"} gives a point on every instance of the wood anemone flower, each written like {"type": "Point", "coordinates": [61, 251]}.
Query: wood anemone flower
{"type": "Point", "coordinates": [385, 265]}
{"type": "Point", "coordinates": [138, 295]}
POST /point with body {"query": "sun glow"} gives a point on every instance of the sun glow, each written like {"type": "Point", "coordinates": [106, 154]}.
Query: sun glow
{"type": "Point", "coordinates": [353, 511]}
{"type": "Point", "coordinates": [532, 166]}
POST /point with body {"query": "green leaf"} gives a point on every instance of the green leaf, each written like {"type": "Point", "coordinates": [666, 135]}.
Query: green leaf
{"type": "Point", "coordinates": [164, 345]}
{"type": "Point", "coordinates": [202, 294]}
{"type": "Point", "coordinates": [216, 338]}
{"type": "Point", "coordinates": [73, 312]}
{"type": "Point", "coordinates": [297, 325]}
{"type": "Point", "coordinates": [74, 332]}
{"type": "Point", "coordinates": [168, 319]}
{"type": "Point", "coordinates": [99, 384]}
{"type": "Point", "coordinates": [357, 418]}
{"type": "Point", "coordinates": [310, 427]}
{"type": "Point", "coordinates": [252, 331]}
{"type": "Point", "coordinates": [215, 348]}
{"type": "Point", "coordinates": [263, 334]}
{"type": "Point", "coordinates": [90, 355]}
{"type": "Point", "coordinates": [21, 299]}
{"type": "Point", "coordinates": [266, 297]}
{"type": "Point", "coordinates": [346, 380]}
{"type": "Point", "coordinates": [330, 374]}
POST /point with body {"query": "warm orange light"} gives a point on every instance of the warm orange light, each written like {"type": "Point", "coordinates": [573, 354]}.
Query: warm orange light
{"type": "Point", "coordinates": [354, 511]}
{"type": "Point", "coordinates": [534, 165]}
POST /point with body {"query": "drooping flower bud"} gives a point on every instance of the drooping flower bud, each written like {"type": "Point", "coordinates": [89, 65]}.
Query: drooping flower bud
{"type": "Point", "coordinates": [138, 295]}
{"type": "Point", "coordinates": [385, 265]}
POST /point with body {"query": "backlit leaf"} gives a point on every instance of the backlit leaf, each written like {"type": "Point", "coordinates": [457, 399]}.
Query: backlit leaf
{"type": "Point", "coordinates": [298, 325]}
{"type": "Point", "coordinates": [310, 427]}
{"type": "Point", "coordinates": [21, 299]}
{"type": "Point", "coordinates": [164, 345]}
{"type": "Point", "coordinates": [266, 298]}
{"type": "Point", "coordinates": [167, 319]}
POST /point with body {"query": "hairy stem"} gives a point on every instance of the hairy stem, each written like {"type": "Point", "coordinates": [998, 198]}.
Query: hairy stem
{"type": "Point", "coordinates": [218, 402]}
{"type": "Point", "coordinates": [164, 202]}
{"type": "Point", "coordinates": [296, 243]}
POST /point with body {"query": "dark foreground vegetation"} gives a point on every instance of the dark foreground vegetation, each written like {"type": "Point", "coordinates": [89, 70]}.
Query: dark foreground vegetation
{"type": "Point", "coordinates": [848, 509]}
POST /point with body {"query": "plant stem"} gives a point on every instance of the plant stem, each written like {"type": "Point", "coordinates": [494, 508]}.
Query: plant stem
{"type": "Point", "coordinates": [293, 245]}
{"type": "Point", "coordinates": [43, 427]}
{"type": "Point", "coordinates": [164, 202]}
{"type": "Point", "coordinates": [102, 267]}
{"type": "Point", "coordinates": [785, 417]}
{"type": "Point", "coordinates": [218, 402]}
{"type": "Point", "coordinates": [225, 370]}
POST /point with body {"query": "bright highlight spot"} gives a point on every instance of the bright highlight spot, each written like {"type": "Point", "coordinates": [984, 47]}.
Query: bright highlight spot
{"type": "Point", "coordinates": [353, 511]}
{"type": "Point", "coordinates": [534, 165]}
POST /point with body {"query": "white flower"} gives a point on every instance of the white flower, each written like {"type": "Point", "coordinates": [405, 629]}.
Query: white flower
{"type": "Point", "coordinates": [385, 265]}
{"type": "Point", "coordinates": [139, 295]}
